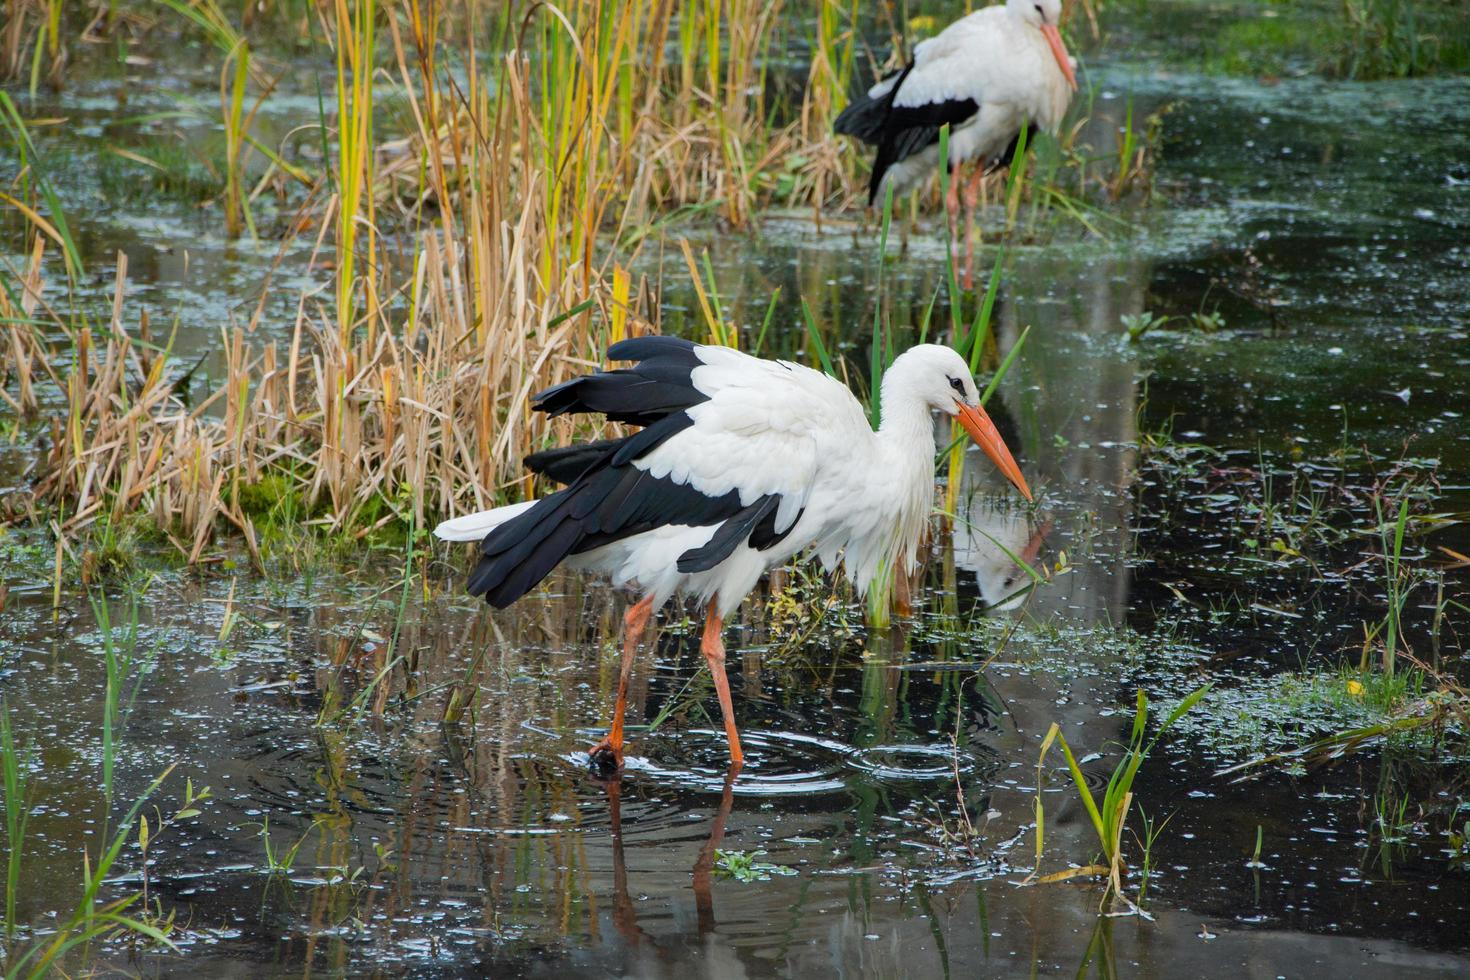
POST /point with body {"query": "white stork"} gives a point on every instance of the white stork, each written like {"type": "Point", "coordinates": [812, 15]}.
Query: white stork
{"type": "Point", "coordinates": [740, 464]}
{"type": "Point", "coordinates": [987, 75]}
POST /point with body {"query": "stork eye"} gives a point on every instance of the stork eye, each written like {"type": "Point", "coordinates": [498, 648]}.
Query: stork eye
{"type": "Point", "coordinates": [1040, 12]}
{"type": "Point", "coordinates": [957, 385]}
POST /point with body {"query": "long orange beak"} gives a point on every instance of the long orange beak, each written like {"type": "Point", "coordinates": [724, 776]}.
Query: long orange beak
{"type": "Point", "coordinates": [983, 431]}
{"type": "Point", "coordinates": [1059, 51]}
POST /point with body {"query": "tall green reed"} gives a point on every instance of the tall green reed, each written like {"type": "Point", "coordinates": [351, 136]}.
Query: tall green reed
{"type": "Point", "coordinates": [34, 176]}
{"type": "Point", "coordinates": [235, 73]}
{"type": "Point", "coordinates": [122, 662]}
{"type": "Point", "coordinates": [1397, 580]}
{"type": "Point", "coordinates": [17, 775]}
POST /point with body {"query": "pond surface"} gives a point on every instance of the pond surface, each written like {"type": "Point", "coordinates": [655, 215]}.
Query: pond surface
{"type": "Point", "coordinates": [885, 814]}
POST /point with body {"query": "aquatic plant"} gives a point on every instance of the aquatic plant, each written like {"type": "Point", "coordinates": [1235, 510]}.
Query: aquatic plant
{"type": "Point", "coordinates": [1138, 324]}
{"type": "Point", "coordinates": [1357, 39]}
{"type": "Point", "coordinates": [279, 861]}
{"type": "Point", "coordinates": [48, 54]}
{"type": "Point", "coordinates": [382, 399]}
{"type": "Point", "coordinates": [743, 866]}
{"type": "Point", "coordinates": [1400, 38]}
{"type": "Point", "coordinates": [1397, 584]}
{"type": "Point", "coordinates": [1110, 814]}
{"type": "Point", "coordinates": [235, 72]}
{"type": "Point", "coordinates": [93, 921]}
{"type": "Point", "coordinates": [26, 357]}
{"type": "Point", "coordinates": [17, 776]}
{"type": "Point", "coordinates": [35, 186]}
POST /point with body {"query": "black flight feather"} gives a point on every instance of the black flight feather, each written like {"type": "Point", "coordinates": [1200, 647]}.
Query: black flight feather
{"type": "Point", "coordinates": [765, 535]}
{"type": "Point", "coordinates": [864, 117]}
{"type": "Point", "coordinates": [660, 384]}
{"type": "Point", "coordinates": [564, 465]}
{"type": "Point", "coordinates": [899, 132]}
{"type": "Point", "coordinates": [731, 533]}
{"type": "Point", "coordinates": [909, 130]}
{"type": "Point", "coordinates": [608, 498]}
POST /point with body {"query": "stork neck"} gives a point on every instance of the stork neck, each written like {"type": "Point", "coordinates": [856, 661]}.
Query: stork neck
{"type": "Point", "coordinates": [906, 428]}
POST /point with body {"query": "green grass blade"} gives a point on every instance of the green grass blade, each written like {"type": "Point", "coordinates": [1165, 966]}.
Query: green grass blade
{"type": "Point", "coordinates": [816, 339]}
{"type": "Point", "coordinates": [760, 338]}
{"type": "Point", "coordinates": [1081, 782]}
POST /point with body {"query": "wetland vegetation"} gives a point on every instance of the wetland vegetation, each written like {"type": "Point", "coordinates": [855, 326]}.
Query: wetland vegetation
{"type": "Point", "coordinates": [280, 278]}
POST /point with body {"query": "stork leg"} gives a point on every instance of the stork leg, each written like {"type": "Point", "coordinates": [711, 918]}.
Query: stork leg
{"type": "Point", "coordinates": [714, 654]}
{"type": "Point", "coordinates": [610, 750]}
{"type": "Point", "coordinates": [972, 194]}
{"type": "Point", "coordinates": [952, 202]}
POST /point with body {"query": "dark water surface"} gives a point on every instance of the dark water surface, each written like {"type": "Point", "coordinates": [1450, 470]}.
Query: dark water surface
{"type": "Point", "coordinates": [1335, 245]}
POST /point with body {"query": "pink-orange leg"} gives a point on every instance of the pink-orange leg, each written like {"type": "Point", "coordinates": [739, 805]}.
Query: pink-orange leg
{"type": "Point", "coordinates": [973, 186]}
{"type": "Point", "coordinates": [714, 654]}
{"type": "Point", "coordinates": [952, 202]}
{"type": "Point", "coordinates": [634, 623]}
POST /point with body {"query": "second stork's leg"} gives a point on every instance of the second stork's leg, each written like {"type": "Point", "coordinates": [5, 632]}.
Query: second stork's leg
{"type": "Point", "coordinates": [972, 195]}
{"type": "Point", "coordinates": [610, 749]}
{"type": "Point", "coordinates": [952, 203]}
{"type": "Point", "coordinates": [713, 648]}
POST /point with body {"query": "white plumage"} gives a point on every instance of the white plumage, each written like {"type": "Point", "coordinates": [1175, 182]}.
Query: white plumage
{"type": "Point", "coordinates": [743, 463]}
{"type": "Point", "coordinates": [986, 75]}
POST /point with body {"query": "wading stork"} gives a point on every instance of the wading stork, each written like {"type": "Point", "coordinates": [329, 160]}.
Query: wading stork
{"type": "Point", "coordinates": [740, 464]}
{"type": "Point", "coordinates": [987, 75]}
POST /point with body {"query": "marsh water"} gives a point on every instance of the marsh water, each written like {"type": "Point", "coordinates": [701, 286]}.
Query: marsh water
{"type": "Point", "coordinates": [883, 824]}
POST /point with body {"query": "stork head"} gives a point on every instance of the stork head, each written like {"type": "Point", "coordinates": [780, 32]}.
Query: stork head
{"type": "Point", "coordinates": [939, 377]}
{"type": "Point", "coordinates": [1046, 16]}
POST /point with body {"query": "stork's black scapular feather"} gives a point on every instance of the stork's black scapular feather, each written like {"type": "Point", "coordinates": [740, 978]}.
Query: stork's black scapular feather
{"type": "Point", "coordinates": [913, 129]}
{"type": "Point", "coordinates": [564, 465]}
{"type": "Point", "coordinates": [608, 498]}
{"type": "Point", "coordinates": [899, 131]}
{"type": "Point", "coordinates": [659, 384]}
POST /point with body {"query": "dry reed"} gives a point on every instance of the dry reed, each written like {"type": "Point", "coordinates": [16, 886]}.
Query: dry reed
{"type": "Point", "coordinates": [400, 401]}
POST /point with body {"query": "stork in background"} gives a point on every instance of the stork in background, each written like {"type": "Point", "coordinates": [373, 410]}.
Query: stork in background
{"type": "Point", "coordinates": [741, 463]}
{"type": "Point", "coordinates": [986, 76]}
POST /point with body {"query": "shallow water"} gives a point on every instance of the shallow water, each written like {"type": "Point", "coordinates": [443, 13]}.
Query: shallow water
{"type": "Point", "coordinates": [1333, 245]}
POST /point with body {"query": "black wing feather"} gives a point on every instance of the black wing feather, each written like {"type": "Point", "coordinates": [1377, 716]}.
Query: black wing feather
{"type": "Point", "coordinates": [660, 384]}
{"type": "Point", "coordinates": [730, 534]}
{"type": "Point", "coordinates": [899, 132]}
{"type": "Point", "coordinates": [913, 129]}
{"type": "Point", "coordinates": [564, 465]}
{"type": "Point", "coordinates": [864, 117]}
{"type": "Point", "coordinates": [607, 497]}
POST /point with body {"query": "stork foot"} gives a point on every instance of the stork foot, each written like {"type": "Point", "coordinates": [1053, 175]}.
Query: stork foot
{"type": "Point", "coordinates": [605, 757]}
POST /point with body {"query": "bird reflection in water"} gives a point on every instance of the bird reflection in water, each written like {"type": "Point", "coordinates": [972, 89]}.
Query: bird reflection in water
{"type": "Point", "coordinates": [990, 535]}
{"type": "Point", "coordinates": [624, 911]}
{"type": "Point", "coordinates": [988, 540]}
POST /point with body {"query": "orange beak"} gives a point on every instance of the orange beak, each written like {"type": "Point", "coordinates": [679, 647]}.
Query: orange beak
{"type": "Point", "coordinates": [1059, 51]}
{"type": "Point", "coordinates": [983, 431]}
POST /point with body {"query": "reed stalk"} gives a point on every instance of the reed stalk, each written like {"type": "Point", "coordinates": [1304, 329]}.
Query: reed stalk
{"type": "Point", "coordinates": [16, 770]}
{"type": "Point", "coordinates": [374, 415]}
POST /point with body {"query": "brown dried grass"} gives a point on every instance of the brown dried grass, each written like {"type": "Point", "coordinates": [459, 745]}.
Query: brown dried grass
{"type": "Point", "coordinates": [400, 403]}
{"type": "Point", "coordinates": [403, 393]}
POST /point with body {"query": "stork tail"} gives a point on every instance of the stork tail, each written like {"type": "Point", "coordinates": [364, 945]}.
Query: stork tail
{"type": "Point", "coordinates": [474, 527]}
